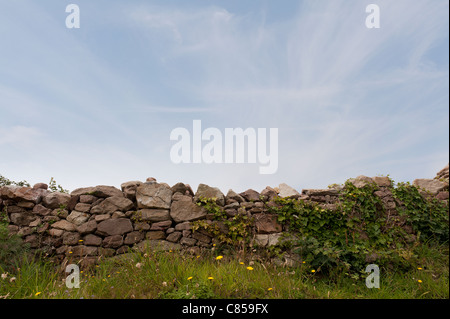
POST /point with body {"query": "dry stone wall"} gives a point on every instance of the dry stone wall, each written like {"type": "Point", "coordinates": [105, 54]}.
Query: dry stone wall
{"type": "Point", "coordinates": [105, 221]}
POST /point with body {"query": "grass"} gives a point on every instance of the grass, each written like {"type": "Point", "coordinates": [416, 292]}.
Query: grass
{"type": "Point", "coordinates": [176, 275]}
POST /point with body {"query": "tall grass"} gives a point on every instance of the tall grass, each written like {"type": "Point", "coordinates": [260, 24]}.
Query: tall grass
{"type": "Point", "coordinates": [178, 275]}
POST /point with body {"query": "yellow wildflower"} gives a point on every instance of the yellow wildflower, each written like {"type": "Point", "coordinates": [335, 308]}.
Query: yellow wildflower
{"type": "Point", "coordinates": [210, 278]}
{"type": "Point", "coordinates": [38, 293]}
{"type": "Point", "coordinates": [219, 257]}
{"type": "Point", "coordinates": [269, 289]}
{"type": "Point", "coordinates": [313, 271]}
{"type": "Point", "coordinates": [419, 281]}
{"type": "Point", "coordinates": [189, 278]}
{"type": "Point", "coordinates": [250, 268]}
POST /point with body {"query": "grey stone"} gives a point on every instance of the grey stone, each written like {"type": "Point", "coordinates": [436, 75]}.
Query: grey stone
{"type": "Point", "coordinates": [153, 196]}
{"type": "Point", "coordinates": [206, 191]}
{"type": "Point", "coordinates": [154, 215]}
{"type": "Point", "coordinates": [184, 209]}
{"type": "Point", "coordinates": [111, 227]}
{"type": "Point", "coordinates": [188, 241]}
{"type": "Point", "coordinates": [98, 191]}
{"type": "Point", "coordinates": [56, 200]}
{"type": "Point", "coordinates": [87, 228]}
{"type": "Point", "coordinates": [64, 225]}
{"type": "Point", "coordinates": [433, 186]}
{"type": "Point", "coordinates": [285, 190]}
{"type": "Point", "coordinates": [92, 240]}
{"type": "Point", "coordinates": [112, 204]}
{"type": "Point", "coordinates": [133, 237]}
{"type": "Point", "coordinates": [174, 237]}
{"type": "Point", "coordinates": [71, 238]}
{"type": "Point", "coordinates": [114, 241]}
{"type": "Point", "coordinates": [77, 218]}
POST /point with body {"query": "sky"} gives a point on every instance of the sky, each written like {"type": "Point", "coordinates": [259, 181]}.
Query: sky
{"type": "Point", "coordinates": [96, 105]}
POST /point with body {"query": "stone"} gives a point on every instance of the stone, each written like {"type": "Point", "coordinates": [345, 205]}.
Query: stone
{"type": "Point", "coordinates": [382, 181]}
{"type": "Point", "coordinates": [266, 224]}
{"type": "Point", "coordinates": [154, 215]}
{"type": "Point", "coordinates": [285, 190]}
{"type": "Point", "coordinates": [41, 210]}
{"type": "Point", "coordinates": [118, 214]}
{"type": "Point", "coordinates": [274, 239]}
{"type": "Point", "coordinates": [22, 193]}
{"type": "Point", "coordinates": [201, 237]}
{"type": "Point", "coordinates": [111, 227]}
{"type": "Point", "coordinates": [40, 186]}
{"type": "Point", "coordinates": [261, 240]}
{"type": "Point", "coordinates": [158, 234]}
{"type": "Point", "coordinates": [32, 241]}
{"type": "Point", "coordinates": [443, 174]}
{"type": "Point", "coordinates": [161, 225]}
{"type": "Point", "coordinates": [56, 232]}
{"type": "Point", "coordinates": [71, 238]}
{"type": "Point", "coordinates": [112, 204]}
{"type": "Point", "coordinates": [92, 240]}
{"type": "Point", "coordinates": [206, 191]}
{"type": "Point", "coordinates": [60, 213]}
{"type": "Point", "coordinates": [153, 196]}
{"type": "Point", "coordinates": [64, 225]}
{"type": "Point", "coordinates": [133, 238]}
{"type": "Point", "coordinates": [82, 207]}
{"type": "Point", "coordinates": [77, 218]}
{"type": "Point", "coordinates": [36, 222]}
{"type": "Point", "coordinates": [268, 194]}
{"type": "Point", "coordinates": [183, 226]}
{"type": "Point", "coordinates": [87, 228]}
{"type": "Point", "coordinates": [25, 204]}
{"type": "Point", "coordinates": [174, 237]}
{"type": "Point", "coordinates": [433, 186]}
{"type": "Point", "coordinates": [141, 226]}
{"type": "Point", "coordinates": [87, 199]}
{"type": "Point", "coordinates": [82, 250]}
{"type": "Point", "coordinates": [129, 189]}
{"type": "Point", "coordinates": [183, 189]}
{"type": "Point", "coordinates": [188, 241]}
{"type": "Point", "coordinates": [320, 192]}
{"type": "Point", "coordinates": [442, 196]}
{"type": "Point", "coordinates": [114, 241]}
{"type": "Point", "coordinates": [361, 181]}
{"type": "Point", "coordinates": [232, 196]}
{"type": "Point", "coordinates": [157, 245]}
{"type": "Point", "coordinates": [22, 219]}
{"type": "Point", "coordinates": [102, 191]}
{"type": "Point", "coordinates": [250, 195]}
{"type": "Point", "coordinates": [74, 199]}
{"type": "Point", "coordinates": [184, 209]}
{"type": "Point", "coordinates": [25, 231]}
{"type": "Point", "coordinates": [56, 200]}
{"type": "Point", "coordinates": [102, 217]}
{"type": "Point", "coordinates": [106, 252]}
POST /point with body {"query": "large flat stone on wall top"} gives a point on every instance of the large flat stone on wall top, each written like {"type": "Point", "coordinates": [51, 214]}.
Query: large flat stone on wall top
{"type": "Point", "coordinates": [206, 191]}
{"type": "Point", "coordinates": [22, 193]}
{"type": "Point", "coordinates": [56, 200]}
{"type": "Point", "coordinates": [153, 195]}
{"type": "Point", "coordinates": [98, 191]}
{"type": "Point", "coordinates": [284, 190]}
{"type": "Point", "coordinates": [433, 186]}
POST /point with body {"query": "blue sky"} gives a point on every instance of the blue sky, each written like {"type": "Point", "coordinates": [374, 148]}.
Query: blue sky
{"type": "Point", "coordinates": [96, 105]}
